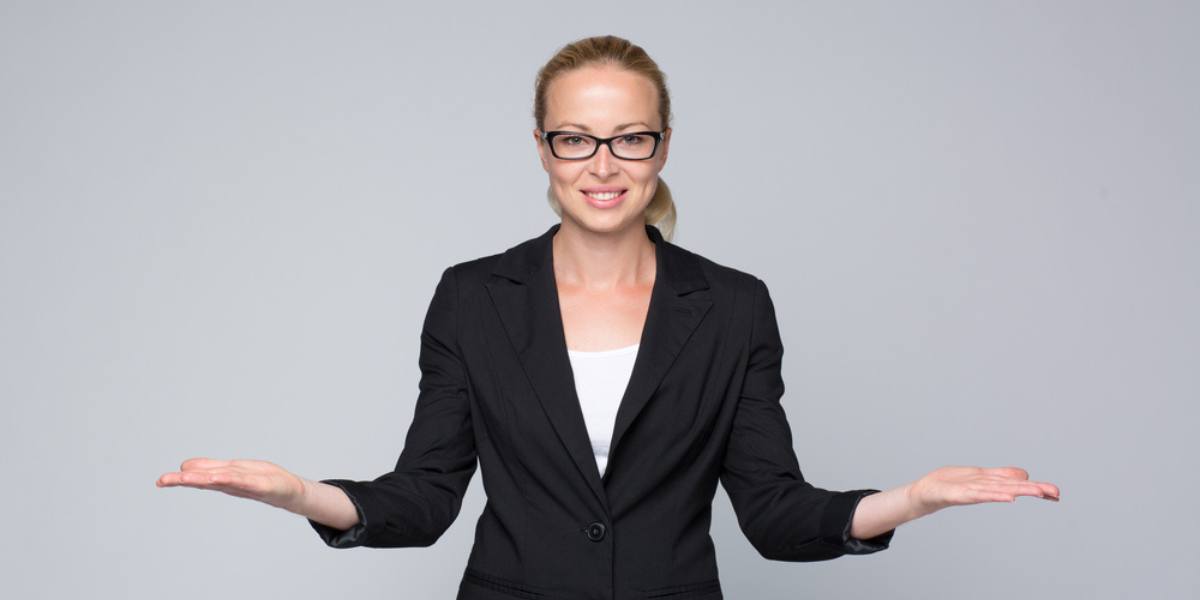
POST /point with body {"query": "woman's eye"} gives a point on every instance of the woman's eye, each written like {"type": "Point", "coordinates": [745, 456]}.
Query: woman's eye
{"type": "Point", "coordinates": [572, 139]}
{"type": "Point", "coordinates": [631, 140]}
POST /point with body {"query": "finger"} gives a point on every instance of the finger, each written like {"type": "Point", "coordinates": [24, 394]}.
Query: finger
{"type": "Point", "coordinates": [1044, 490]}
{"type": "Point", "coordinates": [1000, 479]}
{"type": "Point", "coordinates": [1051, 490]}
{"type": "Point", "coordinates": [216, 487]}
{"type": "Point", "coordinates": [230, 483]}
{"type": "Point", "coordinates": [251, 465]}
{"type": "Point", "coordinates": [1035, 491]}
{"type": "Point", "coordinates": [212, 478]}
{"type": "Point", "coordinates": [225, 466]}
{"type": "Point", "coordinates": [202, 463]}
{"type": "Point", "coordinates": [1009, 472]}
{"type": "Point", "coordinates": [195, 478]}
{"type": "Point", "coordinates": [1049, 487]}
{"type": "Point", "coordinates": [988, 495]}
{"type": "Point", "coordinates": [177, 478]}
{"type": "Point", "coordinates": [1023, 488]}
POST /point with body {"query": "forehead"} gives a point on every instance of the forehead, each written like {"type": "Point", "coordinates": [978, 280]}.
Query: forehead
{"type": "Point", "coordinates": [601, 98]}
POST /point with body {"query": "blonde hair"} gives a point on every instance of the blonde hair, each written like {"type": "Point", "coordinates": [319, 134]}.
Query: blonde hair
{"type": "Point", "coordinates": [619, 52]}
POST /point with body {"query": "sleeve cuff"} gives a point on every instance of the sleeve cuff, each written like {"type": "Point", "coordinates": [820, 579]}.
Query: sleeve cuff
{"type": "Point", "coordinates": [836, 521]}
{"type": "Point", "coordinates": [357, 535]}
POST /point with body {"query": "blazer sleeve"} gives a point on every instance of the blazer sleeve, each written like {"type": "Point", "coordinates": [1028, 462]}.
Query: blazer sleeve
{"type": "Point", "coordinates": [416, 502]}
{"type": "Point", "coordinates": [783, 516]}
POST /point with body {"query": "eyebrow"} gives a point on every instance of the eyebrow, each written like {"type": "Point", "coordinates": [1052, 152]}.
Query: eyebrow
{"type": "Point", "coordinates": [618, 128]}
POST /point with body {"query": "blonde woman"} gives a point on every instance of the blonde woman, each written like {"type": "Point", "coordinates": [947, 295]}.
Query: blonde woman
{"type": "Point", "coordinates": [604, 380]}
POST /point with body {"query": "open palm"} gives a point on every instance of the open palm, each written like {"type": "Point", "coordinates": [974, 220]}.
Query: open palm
{"type": "Point", "coordinates": [245, 478]}
{"type": "Point", "coordinates": [954, 485]}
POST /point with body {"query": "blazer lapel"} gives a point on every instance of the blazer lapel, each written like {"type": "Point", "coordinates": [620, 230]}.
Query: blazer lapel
{"type": "Point", "coordinates": [525, 295]}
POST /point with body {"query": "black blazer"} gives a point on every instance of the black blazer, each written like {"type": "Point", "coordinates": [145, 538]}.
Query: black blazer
{"type": "Point", "coordinates": [702, 405]}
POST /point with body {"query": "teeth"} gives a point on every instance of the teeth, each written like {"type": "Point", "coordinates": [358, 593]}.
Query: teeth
{"type": "Point", "coordinates": [604, 196]}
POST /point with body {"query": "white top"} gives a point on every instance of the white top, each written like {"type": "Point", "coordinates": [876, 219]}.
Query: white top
{"type": "Point", "coordinates": [600, 381]}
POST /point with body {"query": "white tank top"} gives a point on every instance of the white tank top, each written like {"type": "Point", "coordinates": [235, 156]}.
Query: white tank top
{"type": "Point", "coordinates": [600, 381]}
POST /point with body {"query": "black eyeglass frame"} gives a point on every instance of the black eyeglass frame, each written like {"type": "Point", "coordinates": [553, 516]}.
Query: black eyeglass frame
{"type": "Point", "coordinates": [549, 136]}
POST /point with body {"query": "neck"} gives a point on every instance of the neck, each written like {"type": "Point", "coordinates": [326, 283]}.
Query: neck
{"type": "Point", "coordinates": [603, 260]}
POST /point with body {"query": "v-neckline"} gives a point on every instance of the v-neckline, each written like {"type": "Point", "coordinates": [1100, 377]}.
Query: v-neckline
{"type": "Point", "coordinates": [525, 296]}
{"type": "Point", "coordinates": [640, 358]}
{"type": "Point", "coordinates": [654, 292]}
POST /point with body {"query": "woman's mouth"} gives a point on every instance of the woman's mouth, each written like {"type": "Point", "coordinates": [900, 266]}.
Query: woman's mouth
{"type": "Point", "coordinates": [605, 199]}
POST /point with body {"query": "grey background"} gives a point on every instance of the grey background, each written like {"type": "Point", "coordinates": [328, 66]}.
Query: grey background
{"type": "Point", "coordinates": [221, 224]}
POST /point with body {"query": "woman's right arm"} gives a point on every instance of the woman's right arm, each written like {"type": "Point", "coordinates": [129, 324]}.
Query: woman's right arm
{"type": "Point", "coordinates": [268, 483]}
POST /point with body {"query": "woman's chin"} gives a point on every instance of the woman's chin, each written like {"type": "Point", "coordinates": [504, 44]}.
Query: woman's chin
{"type": "Point", "coordinates": [609, 222]}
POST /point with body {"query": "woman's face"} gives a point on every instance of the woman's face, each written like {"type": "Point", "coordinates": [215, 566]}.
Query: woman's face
{"type": "Point", "coordinates": [603, 101]}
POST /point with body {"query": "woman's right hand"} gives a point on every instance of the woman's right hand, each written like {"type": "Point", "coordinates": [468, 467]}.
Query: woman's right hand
{"type": "Point", "coordinates": [255, 479]}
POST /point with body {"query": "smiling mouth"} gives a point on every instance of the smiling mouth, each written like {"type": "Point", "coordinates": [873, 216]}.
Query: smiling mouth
{"type": "Point", "coordinates": [604, 195]}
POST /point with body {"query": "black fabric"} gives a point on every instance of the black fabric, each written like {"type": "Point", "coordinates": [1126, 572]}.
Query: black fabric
{"type": "Point", "coordinates": [703, 406]}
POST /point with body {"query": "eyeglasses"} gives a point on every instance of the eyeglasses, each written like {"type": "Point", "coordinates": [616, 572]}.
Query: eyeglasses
{"type": "Point", "coordinates": [573, 145]}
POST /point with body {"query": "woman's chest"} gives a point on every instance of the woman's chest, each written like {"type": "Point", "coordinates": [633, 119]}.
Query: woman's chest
{"type": "Point", "coordinates": [605, 320]}
{"type": "Point", "coordinates": [525, 387]}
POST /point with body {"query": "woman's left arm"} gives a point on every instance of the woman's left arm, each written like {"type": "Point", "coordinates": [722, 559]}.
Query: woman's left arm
{"type": "Point", "coordinates": [946, 486]}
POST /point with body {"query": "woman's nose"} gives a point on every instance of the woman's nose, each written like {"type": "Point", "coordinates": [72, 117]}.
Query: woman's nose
{"type": "Point", "coordinates": [604, 163]}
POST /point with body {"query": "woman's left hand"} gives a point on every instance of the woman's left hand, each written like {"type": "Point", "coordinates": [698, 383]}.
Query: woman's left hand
{"type": "Point", "coordinates": [953, 485]}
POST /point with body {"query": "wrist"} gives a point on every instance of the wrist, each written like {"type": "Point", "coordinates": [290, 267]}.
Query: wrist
{"type": "Point", "coordinates": [302, 498]}
{"type": "Point", "coordinates": [916, 508]}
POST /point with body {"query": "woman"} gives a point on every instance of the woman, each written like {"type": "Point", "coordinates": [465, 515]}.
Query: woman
{"type": "Point", "coordinates": [605, 379]}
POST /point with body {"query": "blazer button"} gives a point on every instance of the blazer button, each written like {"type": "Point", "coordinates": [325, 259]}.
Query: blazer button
{"type": "Point", "coordinates": [595, 531]}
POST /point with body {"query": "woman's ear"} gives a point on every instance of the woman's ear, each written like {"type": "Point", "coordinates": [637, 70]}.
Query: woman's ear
{"type": "Point", "coordinates": [666, 144]}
